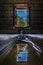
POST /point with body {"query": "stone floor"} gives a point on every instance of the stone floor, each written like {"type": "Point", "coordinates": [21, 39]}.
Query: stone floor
{"type": "Point", "coordinates": [33, 59]}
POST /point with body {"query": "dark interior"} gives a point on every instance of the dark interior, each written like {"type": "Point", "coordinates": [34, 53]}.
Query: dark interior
{"type": "Point", "coordinates": [7, 16]}
{"type": "Point", "coordinates": [20, 28]}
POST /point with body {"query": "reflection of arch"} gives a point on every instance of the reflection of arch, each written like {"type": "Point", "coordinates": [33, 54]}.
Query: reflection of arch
{"type": "Point", "coordinates": [21, 51]}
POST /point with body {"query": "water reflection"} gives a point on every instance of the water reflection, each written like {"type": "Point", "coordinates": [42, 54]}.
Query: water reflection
{"type": "Point", "coordinates": [22, 52]}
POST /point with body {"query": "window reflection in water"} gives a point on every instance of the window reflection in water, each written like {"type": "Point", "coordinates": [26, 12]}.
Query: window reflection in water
{"type": "Point", "coordinates": [21, 52]}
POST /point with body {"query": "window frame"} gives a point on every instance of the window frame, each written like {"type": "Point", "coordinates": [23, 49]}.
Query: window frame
{"type": "Point", "coordinates": [27, 17]}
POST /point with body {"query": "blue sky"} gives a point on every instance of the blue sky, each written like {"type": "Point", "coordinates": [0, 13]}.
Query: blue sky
{"type": "Point", "coordinates": [22, 13]}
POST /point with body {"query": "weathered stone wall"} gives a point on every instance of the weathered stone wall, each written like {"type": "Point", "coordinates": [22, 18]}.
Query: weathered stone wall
{"type": "Point", "coordinates": [6, 16]}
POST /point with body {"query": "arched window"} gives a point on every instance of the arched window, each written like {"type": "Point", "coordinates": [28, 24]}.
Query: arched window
{"type": "Point", "coordinates": [21, 15]}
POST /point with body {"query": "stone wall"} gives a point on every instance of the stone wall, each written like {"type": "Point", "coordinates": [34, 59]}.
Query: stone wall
{"type": "Point", "coordinates": [6, 16]}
